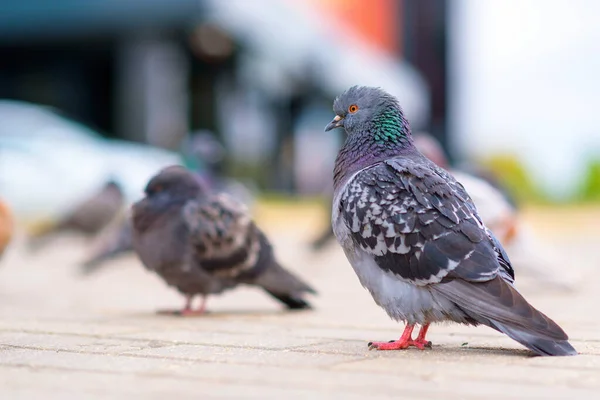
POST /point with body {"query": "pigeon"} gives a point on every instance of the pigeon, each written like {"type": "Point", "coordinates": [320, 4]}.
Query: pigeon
{"type": "Point", "coordinates": [203, 243]}
{"type": "Point", "coordinates": [206, 155]}
{"type": "Point", "coordinates": [88, 217]}
{"type": "Point", "coordinates": [114, 241]}
{"type": "Point", "coordinates": [414, 238]}
{"type": "Point", "coordinates": [6, 227]}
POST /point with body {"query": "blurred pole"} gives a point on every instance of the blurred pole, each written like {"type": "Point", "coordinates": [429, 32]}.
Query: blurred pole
{"type": "Point", "coordinates": [152, 91]}
{"type": "Point", "coordinates": [425, 46]}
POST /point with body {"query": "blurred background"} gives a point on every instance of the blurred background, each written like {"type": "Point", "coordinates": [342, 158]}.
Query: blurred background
{"type": "Point", "coordinates": [112, 90]}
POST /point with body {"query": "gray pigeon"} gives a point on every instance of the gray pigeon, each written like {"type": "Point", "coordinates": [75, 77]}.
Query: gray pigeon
{"type": "Point", "coordinates": [204, 243]}
{"type": "Point", "coordinates": [89, 217]}
{"type": "Point", "coordinates": [114, 242]}
{"type": "Point", "coordinates": [413, 235]}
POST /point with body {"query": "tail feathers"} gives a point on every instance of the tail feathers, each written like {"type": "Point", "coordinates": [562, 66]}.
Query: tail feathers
{"type": "Point", "coordinates": [320, 242]}
{"type": "Point", "coordinates": [96, 262]}
{"type": "Point", "coordinates": [292, 302]}
{"type": "Point", "coordinates": [499, 305]}
{"type": "Point", "coordinates": [284, 286]}
{"type": "Point", "coordinates": [540, 345]}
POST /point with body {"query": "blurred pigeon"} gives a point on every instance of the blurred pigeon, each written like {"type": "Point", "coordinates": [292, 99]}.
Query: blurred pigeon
{"type": "Point", "coordinates": [88, 217]}
{"type": "Point", "coordinates": [6, 227]}
{"type": "Point", "coordinates": [413, 235]}
{"type": "Point", "coordinates": [324, 237]}
{"type": "Point", "coordinates": [205, 154]}
{"type": "Point", "coordinates": [204, 243]}
{"type": "Point", "coordinates": [207, 157]}
{"type": "Point", "coordinates": [114, 241]}
{"type": "Point", "coordinates": [205, 150]}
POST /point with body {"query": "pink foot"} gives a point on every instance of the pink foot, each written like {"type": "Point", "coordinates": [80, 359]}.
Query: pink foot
{"type": "Point", "coordinates": [391, 345]}
{"type": "Point", "coordinates": [405, 341]}
{"type": "Point", "coordinates": [421, 344]}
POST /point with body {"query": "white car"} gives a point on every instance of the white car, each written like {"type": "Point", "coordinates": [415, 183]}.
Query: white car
{"type": "Point", "coordinates": [49, 163]}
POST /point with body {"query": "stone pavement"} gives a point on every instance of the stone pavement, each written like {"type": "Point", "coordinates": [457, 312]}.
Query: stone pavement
{"type": "Point", "coordinates": [67, 337]}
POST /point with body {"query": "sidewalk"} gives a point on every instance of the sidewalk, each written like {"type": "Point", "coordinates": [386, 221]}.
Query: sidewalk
{"type": "Point", "coordinates": [67, 337]}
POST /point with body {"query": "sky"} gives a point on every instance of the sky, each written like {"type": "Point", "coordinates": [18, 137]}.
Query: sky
{"type": "Point", "coordinates": [524, 78]}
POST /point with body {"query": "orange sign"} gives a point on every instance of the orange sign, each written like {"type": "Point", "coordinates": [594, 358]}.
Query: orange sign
{"type": "Point", "coordinates": [378, 21]}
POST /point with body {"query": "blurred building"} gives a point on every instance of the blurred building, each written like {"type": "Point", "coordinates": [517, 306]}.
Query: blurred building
{"type": "Point", "coordinates": [250, 71]}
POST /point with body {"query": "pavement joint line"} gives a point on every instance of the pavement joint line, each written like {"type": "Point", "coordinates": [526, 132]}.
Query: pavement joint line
{"type": "Point", "coordinates": [366, 356]}
{"type": "Point", "coordinates": [150, 356]}
{"type": "Point", "coordinates": [275, 324]}
{"type": "Point", "coordinates": [166, 343]}
{"type": "Point", "coordinates": [232, 332]}
{"type": "Point", "coordinates": [187, 343]}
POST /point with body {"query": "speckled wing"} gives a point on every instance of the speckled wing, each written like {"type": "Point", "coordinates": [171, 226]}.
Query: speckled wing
{"type": "Point", "coordinates": [226, 243]}
{"type": "Point", "coordinates": [420, 224]}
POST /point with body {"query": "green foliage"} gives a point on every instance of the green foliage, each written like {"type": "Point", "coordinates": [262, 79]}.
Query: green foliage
{"type": "Point", "coordinates": [590, 190]}
{"type": "Point", "coordinates": [513, 175]}
{"type": "Point", "coordinates": [256, 172]}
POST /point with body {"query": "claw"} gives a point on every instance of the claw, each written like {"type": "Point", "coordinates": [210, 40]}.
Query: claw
{"type": "Point", "coordinates": [405, 341]}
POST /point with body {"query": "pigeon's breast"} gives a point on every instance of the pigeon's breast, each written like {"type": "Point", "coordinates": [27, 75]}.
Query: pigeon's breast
{"type": "Point", "coordinates": [402, 300]}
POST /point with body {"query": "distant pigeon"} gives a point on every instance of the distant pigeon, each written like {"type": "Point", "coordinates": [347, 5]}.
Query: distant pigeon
{"type": "Point", "coordinates": [88, 217]}
{"type": "Point", "coordinates": [413, 235]}
{"type": "Point", "coordinates": [206, 154]}
{"type": "Point", "coordinates": [203, 243]}
{"type": "Point", "coordinates": [115, 240]}
{"type": "Point", "coordinates": [6, 226]}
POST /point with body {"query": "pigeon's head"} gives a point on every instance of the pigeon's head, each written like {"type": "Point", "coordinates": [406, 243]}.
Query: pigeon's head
{"type": "Point", "coordinates": [369, 110]}
{"type": "Point", "coordinates": [174, 182]}
{"type": "Point", "coordinates": [112, 185]}
{"type": "Point", "coordinates": [359, 106]}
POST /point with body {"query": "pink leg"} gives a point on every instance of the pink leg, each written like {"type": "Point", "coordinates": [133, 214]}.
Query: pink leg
{"type": "Point", "coordinates": [402, 343]}
{"type": "Point", "coordinates": [420, 342]}
{"type": "Point", "coordinates": [187, 310]}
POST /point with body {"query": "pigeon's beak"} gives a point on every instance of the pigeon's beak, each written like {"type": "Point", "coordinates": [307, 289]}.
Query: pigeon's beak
{"type": "Point", "coordinates": [336, 123]}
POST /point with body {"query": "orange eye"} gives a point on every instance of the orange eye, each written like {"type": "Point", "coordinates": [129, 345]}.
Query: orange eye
{"type": "Point", "coordinates": [353, 108]}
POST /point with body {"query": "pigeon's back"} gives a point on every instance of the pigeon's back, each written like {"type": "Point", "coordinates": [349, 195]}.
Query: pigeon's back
{"type": "Point", "coordinates": [164, 243]}
{"type": "Point", "coordinates": [229, 245]}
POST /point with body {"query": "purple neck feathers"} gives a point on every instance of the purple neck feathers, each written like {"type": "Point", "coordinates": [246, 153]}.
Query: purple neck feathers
{"type": "Point", "coordinates": [359, 152]}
